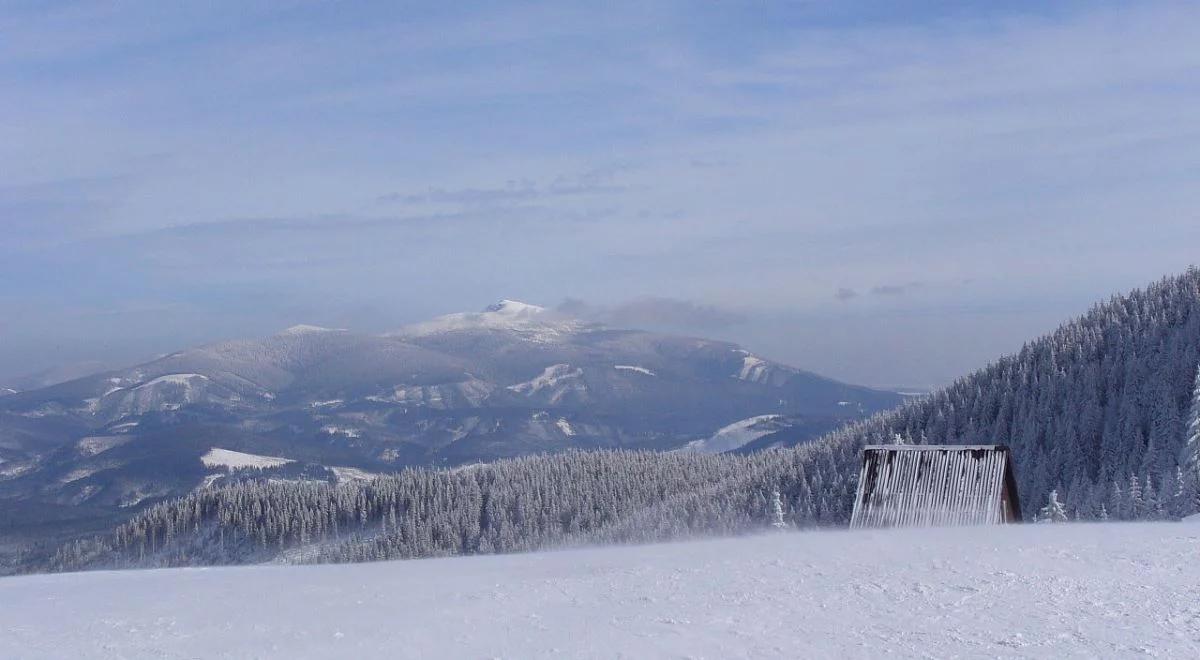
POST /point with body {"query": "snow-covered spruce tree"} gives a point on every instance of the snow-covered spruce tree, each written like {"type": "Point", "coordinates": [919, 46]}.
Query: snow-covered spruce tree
{"type": "Point", "coordinates": [1053, 512]}
{"type": "Point", "coordinates": [1136, 506]}
{"type": "Point", "coordinates": [1192, 442]}
{"type": "Point", "coordinates": [777, 520]}
{"type": "Point", "coordinates": [1178, 502]}
{"type": "Point", "coordinates": [1190, 460]}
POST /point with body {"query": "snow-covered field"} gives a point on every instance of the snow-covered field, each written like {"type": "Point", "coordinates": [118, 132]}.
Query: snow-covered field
{"type": "Point", "coordinates": [217, 457]}
{"type": "Point", "coordinates": [1033, 591]}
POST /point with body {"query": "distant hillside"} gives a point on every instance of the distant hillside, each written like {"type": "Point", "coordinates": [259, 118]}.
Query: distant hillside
{"type": "Point", "coordinates": [316, 403]}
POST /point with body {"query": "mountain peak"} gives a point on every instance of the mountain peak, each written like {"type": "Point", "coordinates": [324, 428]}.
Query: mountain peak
{"type": "Point", "coordinates": [513, 308]}
{"type": "Point", "coordinates": [532, 321]}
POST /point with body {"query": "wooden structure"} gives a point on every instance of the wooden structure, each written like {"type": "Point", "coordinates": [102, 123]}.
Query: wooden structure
{"type": "Point", "coordinates": [933, 485]}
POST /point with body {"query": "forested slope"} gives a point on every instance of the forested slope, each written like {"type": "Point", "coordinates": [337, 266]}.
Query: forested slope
{"type": "Point", "coordinates": [513, 505]}
{"type": "Point", "coordinates": [1102, 410]}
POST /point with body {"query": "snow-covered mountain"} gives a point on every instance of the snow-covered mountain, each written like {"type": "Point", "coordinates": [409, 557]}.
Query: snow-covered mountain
{"type": "Point", "coordinates": [510, 380]}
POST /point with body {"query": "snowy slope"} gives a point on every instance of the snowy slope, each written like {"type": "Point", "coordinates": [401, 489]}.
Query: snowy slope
{"type": "Point", "coordinates": [217, 457]}
{"type": "Point", "coordinates": [506, 315]}
{"type": "Point", "coordinates": [737, 434]}
{"type": "Point", "coordinates": [1034, 591]}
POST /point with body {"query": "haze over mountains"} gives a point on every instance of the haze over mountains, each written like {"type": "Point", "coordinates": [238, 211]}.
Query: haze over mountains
{"type": "Point", "coordinates": [325, 403]}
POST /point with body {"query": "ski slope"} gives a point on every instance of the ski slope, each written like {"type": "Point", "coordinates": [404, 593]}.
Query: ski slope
{"type": "Point", "coordinates": [1033, 591]}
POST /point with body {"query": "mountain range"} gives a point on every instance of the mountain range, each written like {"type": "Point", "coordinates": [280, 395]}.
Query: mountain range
{"type": "Point", "coordinates": [330, 404]}
{"type": "Point", "coordinates": [1102, 417]}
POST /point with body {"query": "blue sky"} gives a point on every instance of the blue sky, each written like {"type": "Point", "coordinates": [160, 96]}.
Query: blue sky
{"type": "Point", "coordinates": [889, 193]}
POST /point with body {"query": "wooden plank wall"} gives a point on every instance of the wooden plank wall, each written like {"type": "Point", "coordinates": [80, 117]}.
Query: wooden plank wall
{"type": "Point", "coordinates": [913, 487]}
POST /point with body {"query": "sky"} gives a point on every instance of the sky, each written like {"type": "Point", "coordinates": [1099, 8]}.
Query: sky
{"type": "Point", "coordinates": [892, 194]}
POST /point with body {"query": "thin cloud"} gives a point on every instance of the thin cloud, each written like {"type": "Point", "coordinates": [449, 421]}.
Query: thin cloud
{"type": "Point", "coordinates": [895, 289]}
{"type": "Point", "coordinates": [596, 182]}
{"type": "Point", "coordinates": [845, 294]}
{"type": "Point", "coordinates": [655, 312]}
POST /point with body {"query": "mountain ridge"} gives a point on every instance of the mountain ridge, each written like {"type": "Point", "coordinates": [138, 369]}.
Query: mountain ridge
{"type": "Point", "coordinates": [511, 380]}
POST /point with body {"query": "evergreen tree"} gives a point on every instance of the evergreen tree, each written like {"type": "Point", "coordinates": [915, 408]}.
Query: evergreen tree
{"type": "Point", "coordinates": [1053, 512]}
{"type": "Point", "coordinates": [777, 520]}
{"type": "Point", "coordinates": [1179, 501]}
{"type": "Point", "coordinates": [1136, 506]}
{"type": "Point", "coordinates": [1191, 446]}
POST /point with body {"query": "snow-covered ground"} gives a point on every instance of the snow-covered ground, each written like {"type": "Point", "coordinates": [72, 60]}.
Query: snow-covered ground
{"type": "Point", "coordinates": [737, 434]}
{"type": "Point", "coordinates": [217, 457]}
{"type": "Point", "coordinates": [1033, 591]}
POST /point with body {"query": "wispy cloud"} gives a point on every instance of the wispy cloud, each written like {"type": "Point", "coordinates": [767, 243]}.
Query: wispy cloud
{"type": "Point", "coordinates": [655, 312]}
{"type": "Point", "coordinates": [595, 182]}
{"type": "Point", "coordinates": [895, 289]}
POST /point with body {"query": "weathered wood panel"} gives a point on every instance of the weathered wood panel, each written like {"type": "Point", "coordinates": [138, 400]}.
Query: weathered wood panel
{"type": "Point", "coordinates": [935, 485]}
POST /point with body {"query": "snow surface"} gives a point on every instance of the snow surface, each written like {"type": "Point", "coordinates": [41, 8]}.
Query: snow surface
{"type": "Point", "coordinates": [531, 321]}
{"type": "Point", "coordinates": [735, 435]}
{"type": "Point", "coordinates": [1033, 591]}
{"type": "Point", "coordinates": [96, 444]}
{"type": "Point", "coordinates": [173, 379]}
{"type": "Point", "coordinates": [79, 473]}
{"type": "Point", "coordinates": [217, 457]}
{"type": "Point", "coordinates": [561, 378]}
{"type": "Point", "coordinates": [753, 369]}
{"type": "Point", "coordinates": [508, 307]}
{"type": "Point", "coordinates": [634, 368]}
{"type": "Point", "coordinates": [352, 474]}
